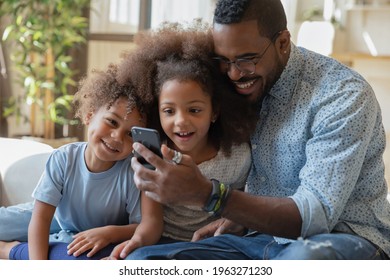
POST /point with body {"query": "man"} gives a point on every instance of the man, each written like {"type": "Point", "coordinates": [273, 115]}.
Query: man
{"type": "Point", "coordinates": [316, 189]}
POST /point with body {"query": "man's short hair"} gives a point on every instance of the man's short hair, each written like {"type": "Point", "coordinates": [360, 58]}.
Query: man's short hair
{"type": "Point", "coordinates": [270, 14]}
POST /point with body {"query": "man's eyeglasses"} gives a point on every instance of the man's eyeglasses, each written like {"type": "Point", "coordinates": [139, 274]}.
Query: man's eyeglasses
{"type": "Point", "coordinates": [247, 66]}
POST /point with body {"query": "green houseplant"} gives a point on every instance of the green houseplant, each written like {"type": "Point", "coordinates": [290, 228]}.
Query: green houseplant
{"type": "Point", "coordinates": [40, 35]}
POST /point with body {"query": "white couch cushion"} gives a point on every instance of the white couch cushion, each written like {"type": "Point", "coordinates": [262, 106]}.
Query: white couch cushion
{"type": "Point", "coordinates": [21, 165]}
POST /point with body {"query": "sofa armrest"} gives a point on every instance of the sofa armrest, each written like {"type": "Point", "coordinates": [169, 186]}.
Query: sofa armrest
{"type": "Point", "coordinates": [21, 164]}
{"type": "Point", "coordinates": [21, 178]}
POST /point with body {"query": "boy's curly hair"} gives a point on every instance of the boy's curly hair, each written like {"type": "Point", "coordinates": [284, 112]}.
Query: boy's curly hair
{"type": "Point", "coordinates": [184, 53]}
{"type": "Point", "coordinates": [101, 88]}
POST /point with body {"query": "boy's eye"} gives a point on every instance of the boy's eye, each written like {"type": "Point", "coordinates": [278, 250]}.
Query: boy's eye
{"type": "Point", "coordinates": [111, 122]}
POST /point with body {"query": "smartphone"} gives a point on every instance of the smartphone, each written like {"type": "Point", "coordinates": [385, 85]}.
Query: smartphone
{"type": "Point", "coordinates": [150, 138]}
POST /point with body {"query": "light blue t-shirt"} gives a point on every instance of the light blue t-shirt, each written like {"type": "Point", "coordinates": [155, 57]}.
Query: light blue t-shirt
{"type": "Point", "coordinates": [86, 200]}
{"type": "Point", "coordinates": [320, 140]}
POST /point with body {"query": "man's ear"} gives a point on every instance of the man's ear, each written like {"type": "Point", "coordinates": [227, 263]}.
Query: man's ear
{"type": "Point", "coordinates": [283, 43]}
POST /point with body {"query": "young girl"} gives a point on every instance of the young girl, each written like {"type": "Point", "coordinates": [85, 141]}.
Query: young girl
{"type": "Point", "coordinates": [88, 187]}
{"type": "Point", "coordinates": [174, 68]}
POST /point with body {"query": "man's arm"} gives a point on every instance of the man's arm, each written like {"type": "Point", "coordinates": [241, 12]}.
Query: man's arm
{"type": "Point", "coordinates": [184, 184]}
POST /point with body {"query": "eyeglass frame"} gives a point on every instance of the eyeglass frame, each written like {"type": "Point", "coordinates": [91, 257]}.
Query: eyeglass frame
{"type": "Point", "coordinates": [252, 59]}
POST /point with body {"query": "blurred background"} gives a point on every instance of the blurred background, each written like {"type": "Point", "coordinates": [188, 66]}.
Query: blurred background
{"type": "Point", "coordinates": [38, 74]}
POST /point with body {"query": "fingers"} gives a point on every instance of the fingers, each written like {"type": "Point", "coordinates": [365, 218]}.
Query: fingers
{"type": "Point", "coordinates": [205, 231]}
{"type": "Point", "coordinates": [148, 155]}
{"type": "Point", "coordinates": [165, 183]}
{"type": "Point", "coordinates": [215, 228]}
{"type": "Point", "coordinates": [220, 230]}
{"type": "Point", "coordinates": [130, 246]}
{"type": "Point", "coordinates": [148, 180]}
{"type": "Point", "coordinates": [175, 157]}
{"type": "Point", "coordinates": [142, 179]}
{"type": "Point", "coordinates": [78, 247]}
{"type": "Point", "coordinates": [199, 235]}
{"type": "Point", "coordinates": [154, 196]}
{"type": "Point", "coordinates": [122, 250]}
{"type": "Point", "coordinates": [115, 254]}
{"type": "Point", "coordinates": [170, 155]}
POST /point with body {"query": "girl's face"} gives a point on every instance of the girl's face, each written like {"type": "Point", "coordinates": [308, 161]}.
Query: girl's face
{"type": "Point", "coordinates": [109, 135]}
{"type": "Point", "coordinates": [185, 114]}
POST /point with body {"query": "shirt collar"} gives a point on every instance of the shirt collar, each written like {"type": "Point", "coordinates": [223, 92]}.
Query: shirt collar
{"type": "Point", "coordinates": [285, 86]}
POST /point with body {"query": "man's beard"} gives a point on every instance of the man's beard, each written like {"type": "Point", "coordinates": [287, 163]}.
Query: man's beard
{"type": "Point", "coordinates": [272, 79]}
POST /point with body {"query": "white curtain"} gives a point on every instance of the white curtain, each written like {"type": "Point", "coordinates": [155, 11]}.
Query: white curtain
{"type": "Point", "coordinates": [114, 16]}
{"type": "Point", "coordinates": [181, 11]}
{"type": "Point", "coordinates": [290, 7]}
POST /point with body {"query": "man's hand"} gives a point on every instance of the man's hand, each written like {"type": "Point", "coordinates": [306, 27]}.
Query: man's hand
{"type": "Point", "coordinates": [170, 183]}
{"type": "Point", "coordinates": [218, 227]}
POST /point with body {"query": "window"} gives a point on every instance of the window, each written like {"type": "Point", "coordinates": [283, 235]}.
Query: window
{"type": "Point", "coordinates": [114, 16]}
{"type": "Point", "coordinates": [181, 11]}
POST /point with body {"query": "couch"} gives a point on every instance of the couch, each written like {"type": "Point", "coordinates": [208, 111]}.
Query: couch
{"type": "Point", "coordinates": [21, 165]}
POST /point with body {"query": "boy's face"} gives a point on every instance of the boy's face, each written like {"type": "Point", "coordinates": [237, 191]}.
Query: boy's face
{"type": "Point", "coordinates": [109, 135]}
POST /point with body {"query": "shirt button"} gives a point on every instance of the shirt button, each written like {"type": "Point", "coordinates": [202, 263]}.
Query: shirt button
{"type": "Point", "coordinates": [262, 179]}
{"type": "Point", "coordinates": [254, 146]}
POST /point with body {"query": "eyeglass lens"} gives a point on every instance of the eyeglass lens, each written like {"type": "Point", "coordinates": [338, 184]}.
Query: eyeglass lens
{"type": "Point", "coordinates": [246, 66]}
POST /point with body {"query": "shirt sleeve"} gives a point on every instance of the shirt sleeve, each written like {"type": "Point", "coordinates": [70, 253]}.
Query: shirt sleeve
{"type": "Point", "coordinates": [50, 186]}
{"type": "Point", "coordinates": [342, 130]}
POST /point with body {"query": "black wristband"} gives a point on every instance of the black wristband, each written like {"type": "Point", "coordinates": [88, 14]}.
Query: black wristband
{"type": "Point", "coordinates": [214, 197]}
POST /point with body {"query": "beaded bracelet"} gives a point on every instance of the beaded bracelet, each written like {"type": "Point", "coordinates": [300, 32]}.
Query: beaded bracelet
{"type": "Point", "coordinates": [220, 205]}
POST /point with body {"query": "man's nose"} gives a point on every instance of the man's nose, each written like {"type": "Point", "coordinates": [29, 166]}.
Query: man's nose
{"type": "Point", "coordinates": [233, 72]}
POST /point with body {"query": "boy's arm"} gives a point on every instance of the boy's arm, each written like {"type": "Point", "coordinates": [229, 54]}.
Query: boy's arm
{"type": "Point", "coordinates": [39, 230]}
{"type": "Point", "coordinates": [148, 231]}
{"type": "Point", "coordinates": [151, 227]}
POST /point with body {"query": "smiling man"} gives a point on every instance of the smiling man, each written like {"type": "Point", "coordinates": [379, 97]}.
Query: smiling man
{"type": "Point", "coordinates": [316, 189]}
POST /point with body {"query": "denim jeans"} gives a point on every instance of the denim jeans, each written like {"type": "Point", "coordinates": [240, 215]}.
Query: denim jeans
{"type": "Point", "coordinates": [58, 251]}
{"type": "Point", "coordinates": [257, 246]}
{"type": "Point", "coordinates": [14, 221]}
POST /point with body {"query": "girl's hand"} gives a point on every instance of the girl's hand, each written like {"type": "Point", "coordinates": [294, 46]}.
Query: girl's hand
{"type": "Point", "coordinates": [123, 249]}
{"type": "Point", "coordinates": [218, 227]}
{"type": "Point", "coordinates": [93, 239]}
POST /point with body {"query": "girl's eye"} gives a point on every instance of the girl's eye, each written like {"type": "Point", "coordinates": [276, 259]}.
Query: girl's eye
{"type": "Point", "coordinates": [168, 111]}
{"type": "Point", "coordinates": [195, 110]}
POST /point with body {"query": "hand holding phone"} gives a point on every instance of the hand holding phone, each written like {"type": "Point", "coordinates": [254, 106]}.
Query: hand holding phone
{"type": "Point", "coordinates": [150, 138]}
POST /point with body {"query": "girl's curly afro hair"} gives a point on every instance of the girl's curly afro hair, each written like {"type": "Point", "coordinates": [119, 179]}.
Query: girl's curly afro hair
{"type": "Point", "coordinates": [184, 52]}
